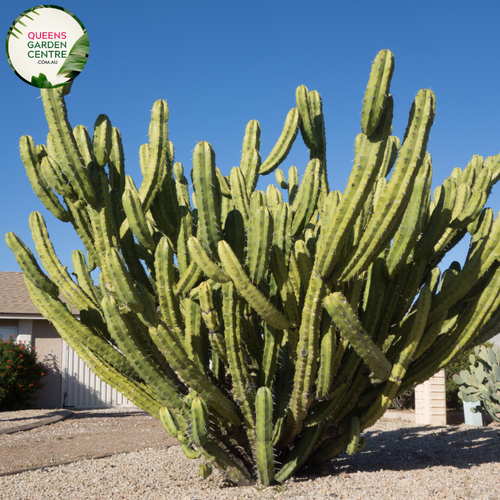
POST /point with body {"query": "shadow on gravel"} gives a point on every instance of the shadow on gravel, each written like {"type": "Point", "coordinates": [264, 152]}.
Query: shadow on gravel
{"type": "Point", "coordinates": [423, 447]}
{"type": "Point", "coordinates": [78, 414]}
{"type": "Point", "coordinates": [19, 419]}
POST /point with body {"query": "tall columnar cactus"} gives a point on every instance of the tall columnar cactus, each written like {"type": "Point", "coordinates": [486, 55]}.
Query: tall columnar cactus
{"type": "Point", "coordinates": [269, 328]}
{"type": "Point", "coordinates": [482, 381]}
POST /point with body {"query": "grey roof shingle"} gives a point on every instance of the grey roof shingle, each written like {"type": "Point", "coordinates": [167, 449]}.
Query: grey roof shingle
{"type": "Point", "coordinates": [15, 299]}
{"type": "Point", "coordinates": [14, 296]}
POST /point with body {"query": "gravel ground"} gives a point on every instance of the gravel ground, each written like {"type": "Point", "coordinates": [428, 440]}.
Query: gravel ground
{"type": "Point", "coordinates": [402, 460]}
{"type": "Point", "coordinates": [87, 434]}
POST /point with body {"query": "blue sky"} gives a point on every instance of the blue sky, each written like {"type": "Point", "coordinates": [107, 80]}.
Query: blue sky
{"type": "Point", "coordinates": [221, 63]}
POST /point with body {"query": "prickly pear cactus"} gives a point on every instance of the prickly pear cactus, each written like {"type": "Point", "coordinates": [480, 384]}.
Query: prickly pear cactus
{"type": "Point", "coordinates": [482, 381]}
{"type": "Point", "coordinates": [268, 328]}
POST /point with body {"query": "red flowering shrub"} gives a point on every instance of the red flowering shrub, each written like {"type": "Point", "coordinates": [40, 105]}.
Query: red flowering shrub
{"type": "Point", "coordinates": [20, 375]}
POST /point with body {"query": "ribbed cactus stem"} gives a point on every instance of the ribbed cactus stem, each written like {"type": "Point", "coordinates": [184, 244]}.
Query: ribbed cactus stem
{"type": "Point", "coordinates": [266, 329]}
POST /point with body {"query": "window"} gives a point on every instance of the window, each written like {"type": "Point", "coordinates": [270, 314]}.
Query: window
{"type": "Point", "coordinates": [6, 331]}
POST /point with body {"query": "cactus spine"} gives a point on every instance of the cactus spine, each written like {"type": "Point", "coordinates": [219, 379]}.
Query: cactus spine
{"type": "Point", "coordinates": [265, 329]}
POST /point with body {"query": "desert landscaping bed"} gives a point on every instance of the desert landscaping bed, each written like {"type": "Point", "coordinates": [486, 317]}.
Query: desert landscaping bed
{"type": "Point", "coordinates": [402, 461]}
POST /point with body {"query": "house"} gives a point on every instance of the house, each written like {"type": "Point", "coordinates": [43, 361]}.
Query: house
{"type": "Point", "coordinates": [68, 382]}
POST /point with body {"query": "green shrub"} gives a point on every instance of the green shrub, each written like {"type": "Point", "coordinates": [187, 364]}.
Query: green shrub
{"type": "Point", "coordinates": [20, 375]}
{"type": "Point", "coordinates": [405, 401]}
{"type": "Point", "coordinates": [461, 362]}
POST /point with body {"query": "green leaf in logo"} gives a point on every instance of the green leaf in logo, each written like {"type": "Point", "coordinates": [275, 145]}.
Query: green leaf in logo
{"type": "Point", "coordinates": [41, 82]}
{"type": "Point", "coordinates": [77, 58]}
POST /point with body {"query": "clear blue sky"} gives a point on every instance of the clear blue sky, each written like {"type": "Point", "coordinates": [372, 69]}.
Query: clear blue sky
{"type": "Point", "coordinates": [221, 63]}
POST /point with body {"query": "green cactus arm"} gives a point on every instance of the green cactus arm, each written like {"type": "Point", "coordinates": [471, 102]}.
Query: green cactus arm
{"type": "Point", "coordinates": [250, 167]}
{"type": "Point", "coordinates": [210, 449]}
{"type": "Point", "coordinates": [178, 359]}
{"type": "Point", "coordinates": [83, 227]}
{"type": "Point", "coordinates": [280, 178]}
{"type": "Point", "coordinates": [116, 175]}
{"type": "Point", "coordinates": [400, 366]}
{"type": "Point", "coordinates": [102, 140]}
{"type": "Point", "coordinates": [165, 206]}
{"type": "Point", "coordinates": [195, 340]}
{"type": "Point", "coordinates": [158, 152]}
{"type": "Point", "coordinates": [137, 220]}
{"type": "Point", "coordinates": [144, 157]}
{"type": "Point", "coordinates": [304, 203]}
{"type": "Point", "coordinates": [223, 183]}
{"type": "Point", "coordinates": [475, 267]}
{"type": "Point", "coordinates": [282, 236]}
{"type": "Point", "coordinates": [264, 434]}
{"type": "Point", "coordinates": [328, 348]}
{"type": "Point", "coordinates": [373, 295]}
{"type": "Point", "coordinates": [84, 278]}
{"type": "Point", "coordinates": [169, 421]}
{"type": "Point", "coordinates": [189, 279]}
{"type": "Point", "coordinates": [239, 193]}
{"type": "Point", "coordinates": [440, 215]}
{"type": "Point", "coordinates": [206, 194]}
{"type": "Point", "coordinates": [72, 330]}
{"type": "Point", "coordinates": [367, 161]}
{"type": "Point", "coordinates": [251, 139]}
{"type": "Point", "coordinates": [293, 183]}
{"type": "Point", "coordinates": [132, 390]}
{"type": "Point", "coordinates": [478, 198]}
{"type": "Point", "coordinates": [391, 208]}
{"type": "Point", "coordinates": [205, 263]}
{"type": "Point", "coordinates": [68, 155]}
{"type": "Point", "coordinates": [248, 291]}
{"type": "Point", "coordinates": [473, 319]}
{"type": "Point", "coordinates": [260, 233]}
{"type": "Point", "coordinates": [138, 354]}
{"type": "Point", "coordinates": [29, 265]}
{"type": "Point", "coordinates": [330, 450]}
{"type": "Point", "coordinates": [53, 266]}
{"type": "Point", "coordinates": [295, 278]}
{"type": "Point", "coordinates": [281, 275]}
{"type": "Point", "coordinates": [354, 438]}
{"type": "Point", "coordinates": [182, 187]}
{"type": "Point", "coordinates": [53, 178]}
{"type": "Point", "coordinates": [304, 263]}
{"type": "Point", "coordinates": [274, 197]}
{"type": "Point", "coordinates": [307, 351]}
{"type": "Point", "coordinates": [44, 193]}
{"type": "Point", "coordinates": [430, 335]}
{"type": "Point", "coordinates": [284, 143]}
{"type": "Point", "coordinates": [211, 319]}
{"type": "Point", "coordinates": [316, 108]}
{"type": "Point", "coordinates": [409, 288]}
{"type": "Point", "coordinates": [344, 317]}
{"type": "Point", "coordinates": [272, 342]}
{"type": "Point", "coordinates": [169, 307]}
{"type": "Point", "coordinates": [300, 452]}
{"type": "Point", "coordinates": [185, 226]}
{"type": "Point", "coordinates": [390, 155]}
{"type": "Point", "coordinates": [235, 234]}
{"type": "Point", "coordinates": [377, 91]}
{"type": "Point", "coordinates": [325, 409]}
{"type": "Point", "coordinates": [238, 368]}
{"type": "Point", "coordinates": [411, 225]}
{"type": "Point", "coordinates": [121, 284]}
{"type": "Point", "coordinates": [307, 125]}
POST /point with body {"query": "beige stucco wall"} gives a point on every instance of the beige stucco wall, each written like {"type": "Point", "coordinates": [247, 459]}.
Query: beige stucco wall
{"type": "Point", "coordinates": [48, 345]}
